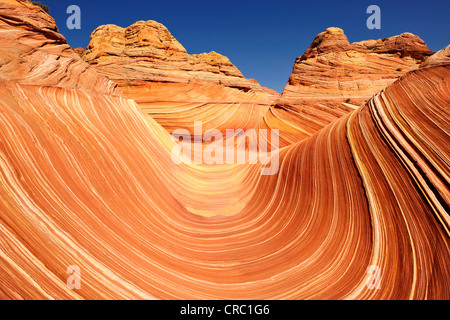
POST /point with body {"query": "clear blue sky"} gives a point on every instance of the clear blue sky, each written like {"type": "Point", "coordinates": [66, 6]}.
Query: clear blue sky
{"type": "Point", "coordinates": [262, 38]}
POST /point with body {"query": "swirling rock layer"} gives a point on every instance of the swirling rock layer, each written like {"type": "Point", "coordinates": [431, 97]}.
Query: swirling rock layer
{"type": "Point", "coordinates": [172, 86]}
{"type": "Point", "coordinates": [86, 179]}
{"type": "Point", "coordinates": [334, 77]}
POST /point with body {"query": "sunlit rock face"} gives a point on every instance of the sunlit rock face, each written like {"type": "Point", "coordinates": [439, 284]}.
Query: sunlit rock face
{"type": "Point", "coordinates": [172, 86]}
{"type": "Point", "coordinates": [34, 52]}
{"type": "Point", "coordinates": [87, 180]}
{"type": "Point", "coordinates": [334, 77]}
{"type": "Point", "coordinates": [439, 58]}
{"type": "Point", "coordinates": [147, 51]}
{"type": "Point", "coordinates": [335, 68]}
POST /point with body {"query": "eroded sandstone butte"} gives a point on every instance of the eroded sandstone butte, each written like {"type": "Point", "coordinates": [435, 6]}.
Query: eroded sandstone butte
{"type": "Point", "coordinates": [333, 68]}
{"type": "Point", "coordinates": [333, 77]}
{"type": "Point", "coordinates": [87, 179]}
{"type": "Point", "coordinates": [34, 52]}
{"type": "Point", "coordinates": [172, 86]}
{"type": "Point", "coordinates": [330, 80]}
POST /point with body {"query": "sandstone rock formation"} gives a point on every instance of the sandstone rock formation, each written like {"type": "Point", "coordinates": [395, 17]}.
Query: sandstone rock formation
{"type": "Point", "coordinates": [172, 86]}
{"type": "Point", "coordinates": [80, 51]}
{"type": "Point", "coordinates": [86, 179]}
{"type": "Point", "coordinates": [334, 77]}
{"type": "Point", "coordinates": [146, 51]}
{"type": "Point", "coordinates": [332, 67]}
{"type": "Point", "coordinates": [439, 58]}
{"type": "Point", "coordinates": [34, 52]}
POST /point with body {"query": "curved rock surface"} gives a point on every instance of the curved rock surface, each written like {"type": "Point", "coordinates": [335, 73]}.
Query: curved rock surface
{"type": "Point", "coordinates": [334, 77]}
{"type": "Point", "coordinates": [34, 52]}
{"type": "Point", "coordinates": [86, 179]}
{"type": "Point", "coordinates": [147, 51]}
{"type": "Point", "coordinates": [172, 86]}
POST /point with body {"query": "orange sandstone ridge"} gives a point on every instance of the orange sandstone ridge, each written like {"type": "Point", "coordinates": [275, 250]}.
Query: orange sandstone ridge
{"type": "Point", "coordinates": [334, 77]}
{"type": "Point", "coordinates": [334, 68]}
{"type": "Point", "coordinates": [34, 52]}
{"type": "Point", "coordinates": [86, 179]}
{"type": "Point", "coordinates": [440, 58]}
{"type": "Point", "coordinates": [146, 51]}
{"type": "Point", "coordinates": [172, 86]}
{"type": "Point", "coordinates": [331, 79]}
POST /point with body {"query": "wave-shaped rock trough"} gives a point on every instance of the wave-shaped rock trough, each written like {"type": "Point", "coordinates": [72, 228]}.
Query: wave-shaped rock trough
{"type": "Point", "coordinates": [86, 179]}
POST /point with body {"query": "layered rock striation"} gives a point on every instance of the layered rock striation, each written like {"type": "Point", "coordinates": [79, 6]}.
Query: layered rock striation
{"type": "Point", "coordinates": [172, 86]}
{"type": "Point", "coordinates": [87, 180]}
{"type": "Point", "coordinates": [147, 51]}
{"type": "Point", "coordinates": [34, 52]}
{"type": "Point", "coordinates": [334, 68]}
{"type": "Point", "coordinates": [333, 77]}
